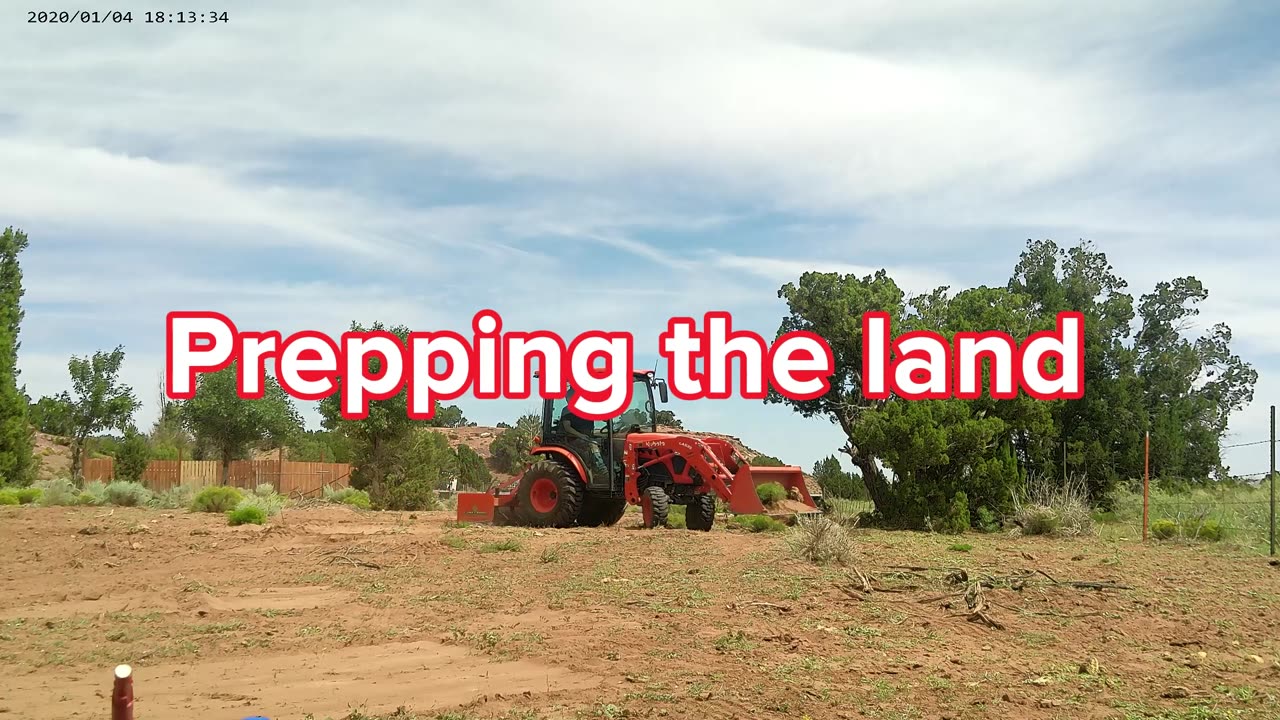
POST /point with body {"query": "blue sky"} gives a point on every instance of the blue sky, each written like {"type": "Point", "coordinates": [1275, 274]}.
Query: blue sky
{"type": "Point", "coordinates": [578, 168]}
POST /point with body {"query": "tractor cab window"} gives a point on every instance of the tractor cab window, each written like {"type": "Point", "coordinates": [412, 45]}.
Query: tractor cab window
{"type": "Point", "coordinates": [638, 417]}
{"type": "Point", "coordinates": [559, 409]}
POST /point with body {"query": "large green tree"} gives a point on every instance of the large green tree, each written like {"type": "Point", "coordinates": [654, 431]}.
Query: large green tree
{"type": "Point", "coordinates": [836, 482]}
{"type": "Point", "coordinates": [17, 460]}
{"type": "Point", "coordinates": [913, 456]}
{"type": "Point", "coordinates": [99, 401]}
{"type": "Point", "coordinates": [509, 451]}
{"type": "Point", "coordinates": [230, 426]}
{"type": "Point", "coordinates": [377, 440]}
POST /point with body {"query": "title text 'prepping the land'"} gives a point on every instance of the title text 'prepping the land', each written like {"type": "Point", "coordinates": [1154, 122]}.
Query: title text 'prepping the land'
{"type": "Point", "coordinates": [442, 365]}
{"type": "Point", "coordinates": [926, 367]}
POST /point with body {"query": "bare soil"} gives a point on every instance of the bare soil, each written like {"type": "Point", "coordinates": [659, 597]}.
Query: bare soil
{"type": "Point", "coordinates": [326, 612]}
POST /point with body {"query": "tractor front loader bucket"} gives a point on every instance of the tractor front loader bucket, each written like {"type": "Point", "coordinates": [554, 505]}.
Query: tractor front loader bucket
{"type": "Point", "coordinates": [746, 501]}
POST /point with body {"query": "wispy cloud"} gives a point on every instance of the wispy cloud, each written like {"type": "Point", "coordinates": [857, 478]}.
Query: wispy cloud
{"type": "Point", "coordinates": [577, 165]}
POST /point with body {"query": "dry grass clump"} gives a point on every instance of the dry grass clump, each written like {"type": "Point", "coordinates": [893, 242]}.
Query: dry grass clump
{"type": "Point", "coordinates": [1046, 507]}
{"type": "Point", "coordinates": [819, 539]}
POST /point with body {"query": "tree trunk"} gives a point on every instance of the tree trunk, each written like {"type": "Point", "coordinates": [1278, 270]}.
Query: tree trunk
{"type": "Point", "coordinates": [77, 461]}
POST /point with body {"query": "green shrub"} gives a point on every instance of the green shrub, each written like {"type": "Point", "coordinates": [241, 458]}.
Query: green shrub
{"type": "Point", "coordinates": [957, 520]}
{"type": "Point", "coordinates": [265, 490]}
{"type": "Point", "coordinates": [248, 514]}
{"type": "Point", "coordinates": [961, 547]}
{"type": "Point", "coordinates": [758, 523]}
{"type": "Point", "coordinates": [59, 492]}
{"type": "Point", "coordinates": [270, 505]}
{"type": "Point", "coordinates": [1038, 520]}
{"type": "Point", "coordinates": [1210, 530]}
{"type": "Point", "coordinates": [96, 492]}
{"type": "Point", "coordinates": [127, 494]}
{"type": "Point", "coordinates": [1164, 529]}
{"type": "Point", "coordinates": [771, 493]}
{"type": "Point", "coordinates": [178, 496]}
{"type": "Point", "coordinates": [217, 499]}
{"type": "Point", "coordinates": [348, 496]}
{"type": "Point", "coordinates": [28, 495]}
{"type": "Point", "coordinates": [676, 519]}
{"type": "Point", "coordinates": [8, 497]}
{"type": "Point", "coordinates": [987, 521]}
{"type": "Point", "coordinates": [132, 456]}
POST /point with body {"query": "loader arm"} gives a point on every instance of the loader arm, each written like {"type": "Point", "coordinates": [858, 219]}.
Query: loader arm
{"type": "Point", "coordinates": [737, 489]}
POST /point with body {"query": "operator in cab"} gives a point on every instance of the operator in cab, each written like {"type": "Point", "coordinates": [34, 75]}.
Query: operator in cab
{"type": "Point", "coordinates": [580, 435]}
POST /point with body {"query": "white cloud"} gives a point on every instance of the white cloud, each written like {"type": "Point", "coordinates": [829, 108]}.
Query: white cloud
{"type": "Point", "coordinates": [915, 137]}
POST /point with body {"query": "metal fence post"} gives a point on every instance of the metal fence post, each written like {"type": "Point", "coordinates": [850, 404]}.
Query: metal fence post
{"type": "Point", "coordinates": [1146, 483]}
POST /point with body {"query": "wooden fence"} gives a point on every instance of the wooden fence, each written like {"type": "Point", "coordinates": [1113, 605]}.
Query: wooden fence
{"type": "Point", "coordinates": [305, 479]}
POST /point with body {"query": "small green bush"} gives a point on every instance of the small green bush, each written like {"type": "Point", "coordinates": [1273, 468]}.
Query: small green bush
{"type": "Point", "coordinates": [1210, 530]}
{"type": "Point", "coordinates": [348, 496]}
{"type": "Point", "coordinates": [178, 496]}
{"type": "Point", "coordinates": [270, 505]}
{"type": "Point", "coordinates": [1039, 520]}
{"type": "Point", "coordinates": [28, 495]}
{"type": "Point", "coordinates": [93, 493]}
{"type": "Point", "coordinates": [1164, 529]}
{"type": "Point", "coordinates": [961, 547]}
{"type": "Point", "coordinates": [248, 514]}
{"type": "Point", "coordinates": [987, 521]}
{"type": "Point", "coordinates": [957, 520]}
{"type": "Point", "coordinates": [127, 494]}
{"type": "Point", "coordinates": [758, 523]}
{"type": "Point", "coordinates": [8, 497]}
{"type": "Point", "coordinates": [265, 490]}
{"type": "Point", "coordinates": [676, 517]}
{"type": "Point", "coordinates": [59, 492]}
{"type": "Point", "coordinates": [217, 499]}
{"type": "Point", "coordinates": [771, 493]}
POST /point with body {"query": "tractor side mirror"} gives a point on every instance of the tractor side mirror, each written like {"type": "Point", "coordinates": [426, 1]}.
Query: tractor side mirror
{"type": "Point", "coordinates": [662, 391]}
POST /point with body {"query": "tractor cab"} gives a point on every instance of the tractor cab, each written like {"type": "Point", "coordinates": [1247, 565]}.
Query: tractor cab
{"type": "Point", "coordinates": [599, 444]}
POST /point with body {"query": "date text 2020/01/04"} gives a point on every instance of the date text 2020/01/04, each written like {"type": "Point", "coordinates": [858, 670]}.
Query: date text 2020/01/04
{"type": "Point", "coordinates": [116, 17]}
{"type": "Point", "coordinates": [925, 366]}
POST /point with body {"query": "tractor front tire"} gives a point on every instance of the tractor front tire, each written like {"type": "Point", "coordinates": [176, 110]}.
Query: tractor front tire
{"type": "Point", "coordinates": [701, 513]}
{"type": "Point", "coordinates": [601, 512]}
{"type": "Point", "coordinates": [659, 505]}
{"type": "Point", "coordinates": [550, 495]}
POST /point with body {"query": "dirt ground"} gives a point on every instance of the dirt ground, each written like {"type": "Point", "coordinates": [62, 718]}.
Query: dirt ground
{"type": "Point", "coordinates": [337, 613]}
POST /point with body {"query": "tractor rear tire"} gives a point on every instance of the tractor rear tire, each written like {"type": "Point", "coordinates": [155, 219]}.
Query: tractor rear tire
{"type": "Point", "coordinates": [701, 513]}
{"type": "Point", "coordinates": [661, 505]}
{"type": "Point", "coordinates": [550, 495]}
{"type": "Point", "coordinates": [601, 512]}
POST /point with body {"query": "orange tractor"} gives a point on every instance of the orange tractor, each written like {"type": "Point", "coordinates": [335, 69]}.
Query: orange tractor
{"type": "Point", "coordinates": [586, 473]}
